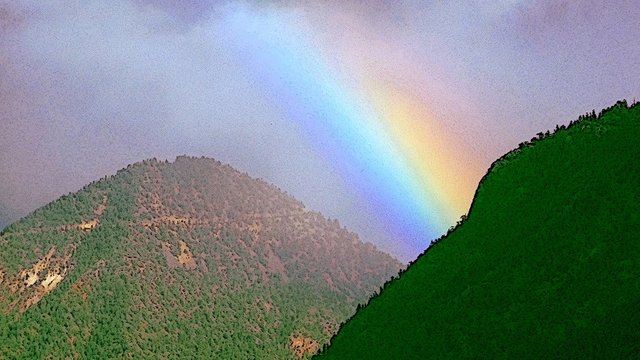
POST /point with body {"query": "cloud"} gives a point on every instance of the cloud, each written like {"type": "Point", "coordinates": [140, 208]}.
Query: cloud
{"type": "Point", "coordinates": [12, 17]}
{"type": "Point", "coordinates": [185, 10]}
{"type": "Point", "coordinates": [88, 87]}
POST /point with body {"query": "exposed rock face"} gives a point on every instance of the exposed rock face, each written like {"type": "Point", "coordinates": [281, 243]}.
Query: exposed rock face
{"type": "Point", "coordinates": [32, 284]}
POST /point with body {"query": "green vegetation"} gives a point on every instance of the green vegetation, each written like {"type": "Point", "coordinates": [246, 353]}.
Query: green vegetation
{"type": "Point", "coordinates": [547, 264]}
{"type": "Point", "coordinates": [190, 259]}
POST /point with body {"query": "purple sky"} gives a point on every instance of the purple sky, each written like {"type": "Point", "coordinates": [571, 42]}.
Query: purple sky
{"type": "Point", "coordinates": [87, 87]}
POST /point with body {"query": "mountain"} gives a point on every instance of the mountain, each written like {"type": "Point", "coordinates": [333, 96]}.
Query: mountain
{"type": "Point", "coordinates": [190, 259]}
{"type": "Point", "coordinates": [546, 265]}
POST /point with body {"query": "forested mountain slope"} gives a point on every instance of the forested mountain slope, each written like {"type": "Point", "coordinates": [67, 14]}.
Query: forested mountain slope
{"type": "Point", "coordinates": [547, 264]}
{"type": "Point", "coordinates": [190, 259]}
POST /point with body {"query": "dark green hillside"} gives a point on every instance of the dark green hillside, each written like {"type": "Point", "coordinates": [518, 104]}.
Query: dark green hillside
{"type": "Point", "coordinates": [190, 259]}
{"type": "Point", "coordinates": [547, 265]}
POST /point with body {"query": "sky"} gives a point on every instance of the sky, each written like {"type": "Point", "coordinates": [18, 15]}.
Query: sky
{"type": "Point", "coordinates": [382, 114]}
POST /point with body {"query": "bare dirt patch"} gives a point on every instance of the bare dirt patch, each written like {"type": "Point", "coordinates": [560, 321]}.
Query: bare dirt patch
{"type": "Point", "coordinates": [300, 345]}
{"type": "Point", "coordinates": [184, 258]}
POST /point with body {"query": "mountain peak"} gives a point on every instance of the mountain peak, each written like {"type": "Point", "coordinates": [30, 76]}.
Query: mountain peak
{"type": "Point", "coordinates": [184, 250]}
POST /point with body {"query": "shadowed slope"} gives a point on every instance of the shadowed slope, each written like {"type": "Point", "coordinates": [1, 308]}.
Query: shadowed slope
{"type": "Point", "coordinates": [546, 265]}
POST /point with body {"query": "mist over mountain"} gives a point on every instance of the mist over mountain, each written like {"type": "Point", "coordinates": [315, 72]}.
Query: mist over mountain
{"type": "Point", "coordinates": [190, 259]}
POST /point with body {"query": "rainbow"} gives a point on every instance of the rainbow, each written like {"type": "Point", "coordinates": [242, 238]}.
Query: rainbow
{"type": "Point", "coordinates": [379, 136]}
